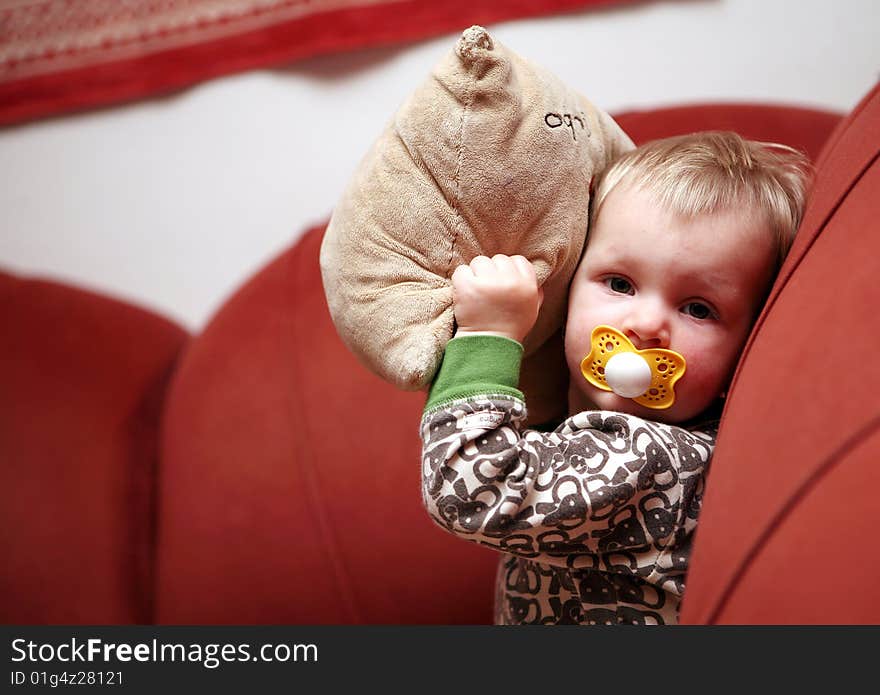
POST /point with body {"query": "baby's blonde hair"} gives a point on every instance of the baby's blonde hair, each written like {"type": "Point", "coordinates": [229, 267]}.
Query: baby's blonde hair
{"type": "Point", "coordinates": [714, 171]}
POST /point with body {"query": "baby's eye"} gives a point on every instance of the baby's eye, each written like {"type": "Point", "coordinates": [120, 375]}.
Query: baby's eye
{"type": "Point", "coordinates": [698, 310]}
{"type": "Point", "coordinates": [619, 285]}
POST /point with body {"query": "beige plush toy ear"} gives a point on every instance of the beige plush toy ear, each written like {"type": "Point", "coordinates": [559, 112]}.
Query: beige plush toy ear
{"type": "Point", "coordinates": [492, 154]}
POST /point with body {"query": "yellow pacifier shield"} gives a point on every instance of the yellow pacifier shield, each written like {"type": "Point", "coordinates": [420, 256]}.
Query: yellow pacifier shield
{"type": "Point", "coordinates": [646, 376]}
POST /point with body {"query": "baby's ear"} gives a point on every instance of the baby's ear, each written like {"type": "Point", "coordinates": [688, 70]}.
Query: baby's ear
{"type": "Point", "coordinates": [491, 154]}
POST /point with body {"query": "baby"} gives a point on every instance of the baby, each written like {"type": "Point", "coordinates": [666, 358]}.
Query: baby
{"type": "Point", "coordinates": [596, 518]}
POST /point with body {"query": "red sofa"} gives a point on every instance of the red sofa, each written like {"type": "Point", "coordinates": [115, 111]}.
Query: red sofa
{"type": "Point", "coordinates": [256, 473]}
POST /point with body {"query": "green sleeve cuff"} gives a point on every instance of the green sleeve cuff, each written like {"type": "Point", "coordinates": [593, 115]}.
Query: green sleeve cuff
{"type": "Point", "coordinates": [477, 365]}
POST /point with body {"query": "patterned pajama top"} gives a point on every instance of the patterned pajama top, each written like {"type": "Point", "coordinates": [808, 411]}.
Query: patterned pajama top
{"type": "Point", "coordinates": [595, 519]}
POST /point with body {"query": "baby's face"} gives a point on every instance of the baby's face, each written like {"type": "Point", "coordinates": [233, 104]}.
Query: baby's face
{"type": "Point", "coordinates": [690, 285]}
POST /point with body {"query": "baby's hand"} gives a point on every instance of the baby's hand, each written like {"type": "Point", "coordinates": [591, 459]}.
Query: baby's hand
{"type": "Point", "coordinates": [498, 295]}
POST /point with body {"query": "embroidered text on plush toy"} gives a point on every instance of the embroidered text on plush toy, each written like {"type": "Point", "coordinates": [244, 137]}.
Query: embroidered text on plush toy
{"type": "Point", "coordinates": [557, 120]}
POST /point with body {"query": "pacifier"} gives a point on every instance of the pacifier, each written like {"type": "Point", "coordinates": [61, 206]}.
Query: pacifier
{"type": "Point", "coordinates": [646, 376]}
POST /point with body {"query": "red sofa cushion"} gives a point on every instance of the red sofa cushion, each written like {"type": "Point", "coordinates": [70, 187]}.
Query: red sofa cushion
{"type": "Point", "coordinates": [83, 382]}
{"type": "Point", "coordinates": [290, 477]}
{"type": "Point", "coordinates": [787, 530]}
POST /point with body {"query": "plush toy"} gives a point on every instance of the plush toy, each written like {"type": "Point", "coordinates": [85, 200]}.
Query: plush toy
{"type": "Point", "coordinates": [492, 154]}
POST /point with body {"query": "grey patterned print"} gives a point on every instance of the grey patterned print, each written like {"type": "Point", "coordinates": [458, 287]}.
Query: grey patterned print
{"type": "Point", "coordinates": [595, 518]}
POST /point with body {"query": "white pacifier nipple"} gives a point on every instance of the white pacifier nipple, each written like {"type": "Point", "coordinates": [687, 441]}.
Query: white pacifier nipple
{"type": "Point", "coordinates": [628, 374]}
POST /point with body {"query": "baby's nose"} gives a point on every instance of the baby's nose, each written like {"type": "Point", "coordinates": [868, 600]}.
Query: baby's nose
{"type": "Point", "coordinates": [647, 328]}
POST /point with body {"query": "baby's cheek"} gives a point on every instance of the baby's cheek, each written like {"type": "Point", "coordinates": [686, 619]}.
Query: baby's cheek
{"type": "Point", "coordinates": [577, 343]}
{"type": "Point", "coordinates": [704, 379]}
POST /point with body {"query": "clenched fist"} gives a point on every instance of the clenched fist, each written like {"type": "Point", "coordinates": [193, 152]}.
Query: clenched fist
{"type": "Point", "coordinates": [498, 295]}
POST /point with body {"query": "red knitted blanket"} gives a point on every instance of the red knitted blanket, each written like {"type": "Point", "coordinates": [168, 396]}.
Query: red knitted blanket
{"type": "Point", "coordinates": [58, 56]}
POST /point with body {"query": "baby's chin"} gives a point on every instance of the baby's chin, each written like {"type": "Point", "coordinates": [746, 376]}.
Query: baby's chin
{"type": "Point", "coordinates": [591, 398]}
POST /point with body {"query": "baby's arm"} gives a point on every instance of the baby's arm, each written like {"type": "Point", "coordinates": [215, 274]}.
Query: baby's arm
{"type": "Point", "coordinates": [601, 484]}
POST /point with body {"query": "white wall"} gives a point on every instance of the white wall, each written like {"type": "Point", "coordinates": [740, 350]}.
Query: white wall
{"type": "Point", "coordinates": [173, 203]}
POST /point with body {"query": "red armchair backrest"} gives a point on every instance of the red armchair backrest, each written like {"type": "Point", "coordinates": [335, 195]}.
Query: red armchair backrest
{"type": "Point", "coordinates": [789, 523]}
{"type": "Point", "coordinates": [82, 386]}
